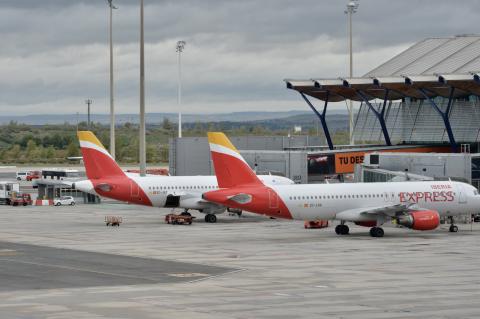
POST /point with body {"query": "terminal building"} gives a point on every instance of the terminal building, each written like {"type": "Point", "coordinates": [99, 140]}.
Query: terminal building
{"type": "Point", "coordinates": [423, 100]}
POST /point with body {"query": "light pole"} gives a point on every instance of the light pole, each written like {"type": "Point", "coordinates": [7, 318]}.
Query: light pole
{"type": "Point", "coordinates": [352, 7]}
{"type": "Point", "coordinates": [88, 102]}
{"type": "Point", "coordinates": [142, 155]}
{"type": "Point", "coordinates": [180, 47]}
{"type": "Point", "coordinates": [112, 109]}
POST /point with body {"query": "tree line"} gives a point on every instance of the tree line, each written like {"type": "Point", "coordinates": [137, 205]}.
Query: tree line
{"type": "Point", "coordinates": [30, 144]}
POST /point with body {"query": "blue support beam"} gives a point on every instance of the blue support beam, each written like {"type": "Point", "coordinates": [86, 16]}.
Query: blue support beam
{"type": "Point", "coordinates": [444, 115]}
{"type": "Point", "coordinates": [380, 115]}
{"type": "Point", "coordinates": [322, 117]}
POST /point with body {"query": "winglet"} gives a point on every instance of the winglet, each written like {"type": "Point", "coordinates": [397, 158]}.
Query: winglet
{"type": "Point", "coordinates": [230, 167]}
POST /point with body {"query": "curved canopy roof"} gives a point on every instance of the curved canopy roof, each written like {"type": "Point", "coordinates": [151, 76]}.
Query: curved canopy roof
{"type": "Point", "coordinates": [397, 87]}
{"type": "Point", "coordinates": [433, 65]}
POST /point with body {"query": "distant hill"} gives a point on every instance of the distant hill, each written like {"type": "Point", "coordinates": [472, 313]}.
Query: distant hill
{"type": "Point", "coordinates": [336, 122]}
{"type": "Point", "coordinates": [155, 118]}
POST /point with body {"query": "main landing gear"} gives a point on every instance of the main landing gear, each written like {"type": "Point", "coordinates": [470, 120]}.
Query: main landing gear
{"type": "Point", "coordinates": [342, 229]}
{"type": "Point", "coordinates": [453, 228]}
{"type": "Point", "coordinates": [376, 232]}
{"type": "Point", "coordinates": [210, 218]}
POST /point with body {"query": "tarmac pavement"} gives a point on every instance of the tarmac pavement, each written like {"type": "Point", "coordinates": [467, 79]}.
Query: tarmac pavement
{"type": "Point", "coordinates": [249, 267]}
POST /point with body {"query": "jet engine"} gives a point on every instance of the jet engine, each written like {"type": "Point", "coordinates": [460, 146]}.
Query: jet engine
{"type": "Point", "coordinates": [420, 220]}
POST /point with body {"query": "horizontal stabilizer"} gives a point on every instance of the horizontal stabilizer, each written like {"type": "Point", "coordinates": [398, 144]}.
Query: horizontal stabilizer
{"type": "Point", "coordinates": [241, 198]}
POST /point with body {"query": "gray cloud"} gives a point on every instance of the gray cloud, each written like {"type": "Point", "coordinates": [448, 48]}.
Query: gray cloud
{"type": "Point", "coordinates": [54, 53]}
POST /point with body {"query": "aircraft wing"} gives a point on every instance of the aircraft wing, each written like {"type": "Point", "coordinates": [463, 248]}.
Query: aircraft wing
{"type": "Point", "coordinates": [369, 213]}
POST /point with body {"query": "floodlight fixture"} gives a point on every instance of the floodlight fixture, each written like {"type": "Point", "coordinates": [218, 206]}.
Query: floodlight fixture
{"type": "Point", "coordinates": [181, 45]}
{"type": "Point", "coordinates": [110, 3]}
{"type": "Point", "coordinates": [352, 6]}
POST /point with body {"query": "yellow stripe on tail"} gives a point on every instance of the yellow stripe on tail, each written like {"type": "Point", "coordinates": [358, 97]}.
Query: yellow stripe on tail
{"type": "Point", "coordinates": [88, 136]}
{"type": "Point", "coordinates": [221, 139]}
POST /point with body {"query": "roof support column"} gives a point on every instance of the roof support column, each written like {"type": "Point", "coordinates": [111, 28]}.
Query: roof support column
{"type": "Point", "coordinates": [322, 118]}
{"type": "Point", "coordinates": [444, 115]}
{"type": "Point", "coordinates": [380, 115]}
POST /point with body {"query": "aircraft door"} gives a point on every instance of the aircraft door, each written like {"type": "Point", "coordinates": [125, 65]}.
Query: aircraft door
{"type": "Point", "coordinates": [273, 197]}
{"type": "Point", "coordinates": [134, 189]}
{"type": "Point", "coordinates": [172, 201]}
{"type": "Point", "coordinates": [389, 197]}
{"type": "Point", "coordinates": [462, 196]}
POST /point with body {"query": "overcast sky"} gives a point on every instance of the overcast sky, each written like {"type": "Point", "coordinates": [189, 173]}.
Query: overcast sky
{"type": "Point", "coordinates": [54, 53]}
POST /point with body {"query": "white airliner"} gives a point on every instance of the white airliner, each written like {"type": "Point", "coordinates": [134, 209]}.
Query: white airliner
{"type": "Point", "coordinates": [107, 179]}
{"type": "Point", "coordinates": [416, 205]}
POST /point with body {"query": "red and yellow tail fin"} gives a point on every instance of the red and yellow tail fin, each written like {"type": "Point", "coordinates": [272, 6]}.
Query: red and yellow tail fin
{"type": "Point", "coordinates": [230, 167]}
{"type": "Point", "coordinates": [98, 162]}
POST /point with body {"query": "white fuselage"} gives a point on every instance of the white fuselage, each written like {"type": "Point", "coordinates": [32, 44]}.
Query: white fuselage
{"type": "Point", "coordinates": [187, 189]}
{"type": "Point", "coordinates": [333, 201]}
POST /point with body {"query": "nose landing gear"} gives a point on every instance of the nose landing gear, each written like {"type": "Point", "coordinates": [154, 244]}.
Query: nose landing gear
{"type": "Point", "coordinates": [453, 228]}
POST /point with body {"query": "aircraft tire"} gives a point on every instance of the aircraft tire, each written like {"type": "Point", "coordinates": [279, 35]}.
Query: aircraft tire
{"type": "Point", "coordinates": [342, 230]}
{"type": "Point", "coordinates": [376, 232]}
{"type": "Point", "coordinates": [453, 228]}
{"type": "Point", "coordinates": [210, 218]}
{"type": "Point", "coordinates": [337, 229]}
